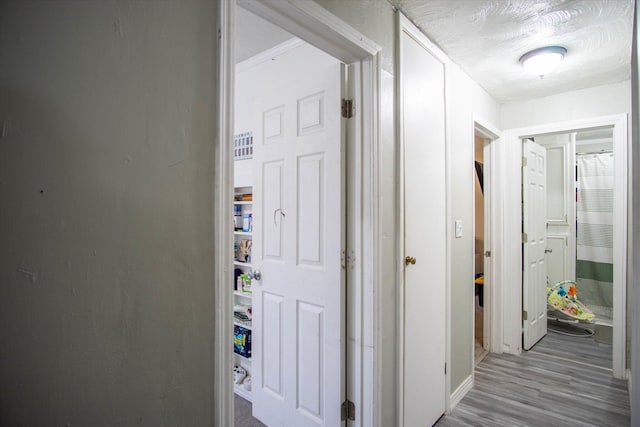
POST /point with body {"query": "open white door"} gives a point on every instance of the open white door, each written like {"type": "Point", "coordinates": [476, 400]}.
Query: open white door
{"type": "Point", "coordinates": [298, 336]}
{"type": "Point", "coordinates": [534, 217]}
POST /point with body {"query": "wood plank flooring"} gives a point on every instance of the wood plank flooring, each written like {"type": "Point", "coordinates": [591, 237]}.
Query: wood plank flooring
{"type": "Point", "coordinates": [562, 381]}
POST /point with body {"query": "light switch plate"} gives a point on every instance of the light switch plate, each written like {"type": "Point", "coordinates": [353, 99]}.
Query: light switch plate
{"type": "Point", "coordinates": [458, 228]}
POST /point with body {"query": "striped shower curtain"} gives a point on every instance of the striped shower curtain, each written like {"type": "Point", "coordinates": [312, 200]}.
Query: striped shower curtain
{"type": "Point", "coordinates": [594, 263]}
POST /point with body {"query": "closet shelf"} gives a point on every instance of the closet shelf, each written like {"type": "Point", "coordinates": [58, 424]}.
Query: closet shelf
{"type": "Point", "coordinates": [244, 325]}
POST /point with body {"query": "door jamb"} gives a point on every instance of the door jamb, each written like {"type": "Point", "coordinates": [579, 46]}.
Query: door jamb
{"type": "Point", "coordinates": [511, 263]}
{"type": "Point", "coordinates": [309, 21]}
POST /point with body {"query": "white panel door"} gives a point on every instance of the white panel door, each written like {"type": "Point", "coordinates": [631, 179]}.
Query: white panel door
{"type": "Point", "coordinates": [298, 326]}
{"type": "Point", "coordinates": [534, 276]}
{"type": "Point", "coordinates": [424, 234]}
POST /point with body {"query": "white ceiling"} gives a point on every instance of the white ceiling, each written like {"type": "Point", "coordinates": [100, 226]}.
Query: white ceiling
{"type": "Point", "coordinates": [254, 35]}
{"type": "Point", "coordinates": [486, 38]}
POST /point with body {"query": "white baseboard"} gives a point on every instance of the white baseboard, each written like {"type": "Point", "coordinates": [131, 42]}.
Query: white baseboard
{"type": "Point", "coordinates": [461, 392]}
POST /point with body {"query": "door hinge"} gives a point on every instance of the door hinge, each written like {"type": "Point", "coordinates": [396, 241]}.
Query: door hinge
{"type": "Point", "coordinates": [524, 237]}
{"type": "Point", "coordinates": [525, 315]}
{"type": "Point", "coordinates": [524, 162]}
{"type": "Point", "coordinates": [445, 369]}
{"type": "Point", "coordinates": [348, 260]}
{"type": "Point", "coordinates": [347, 108]}
{"type": "Point", "coordinates": [348, 411]}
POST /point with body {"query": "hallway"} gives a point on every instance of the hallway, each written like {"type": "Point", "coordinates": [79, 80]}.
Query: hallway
{"type": "Point", "coordinates": [544, 387]}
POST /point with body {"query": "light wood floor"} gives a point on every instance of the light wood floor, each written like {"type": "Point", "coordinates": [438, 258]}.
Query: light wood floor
{"type": "Point", "coordinates": [562, 381]}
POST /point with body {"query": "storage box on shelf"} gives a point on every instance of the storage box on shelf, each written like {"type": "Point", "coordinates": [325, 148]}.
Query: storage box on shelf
{"type": "Point", "coordinates": [243, 228]}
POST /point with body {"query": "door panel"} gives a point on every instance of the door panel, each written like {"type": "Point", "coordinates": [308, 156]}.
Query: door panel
{"type": "Point", "coordinates": [311, 221]}
{"type": "Point", "coordinates": [298, 328]}
{"type": "Point", "coordinates": [424, 233]}
{"type": "Point", "coordinates": [272, 336]}
{"type": "Point", "coordinates": [534, 294]}
{"type": "Point", "coordinates": [273, 185]}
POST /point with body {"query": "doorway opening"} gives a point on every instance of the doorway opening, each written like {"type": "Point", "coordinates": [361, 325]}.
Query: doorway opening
{"type": "Point", "coordinates": [515, 268]}
{"type": "Point", "coordinates": [481, 344]}
{"type": "Point", "coordinates": [360, 245]}
{"type": "Point", "coordinates": [289, 286]}
{"type": "Point", "coordinates": [486, 230]}
{"type": "Point", "coordinates": [579, 245]}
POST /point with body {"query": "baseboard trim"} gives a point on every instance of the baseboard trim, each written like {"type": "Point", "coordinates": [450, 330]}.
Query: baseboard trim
{"type": "Point", "coordinates": [461, 392]}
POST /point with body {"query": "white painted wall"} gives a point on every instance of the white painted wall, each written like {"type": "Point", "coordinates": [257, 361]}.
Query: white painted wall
{"type": "Point", "coordinates": [580, 104]}
{"type": "Point", "coordinates": [106, 158]}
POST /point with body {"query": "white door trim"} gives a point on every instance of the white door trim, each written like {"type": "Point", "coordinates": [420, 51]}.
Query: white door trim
{"type": "Point", "coordinates": [511, 263]}
{"type": "Point", "coordinates": [314, 24]}
{"type": "Point", "coordinates": [222, 210]}
{"type": "Point", "coordinates": [491, 135]}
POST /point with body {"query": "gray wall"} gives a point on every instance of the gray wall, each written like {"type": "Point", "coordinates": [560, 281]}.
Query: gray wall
{"type": "Point", "coordinates": [634, 285]}
{"type": "Point", "coordinates": [106, 147]}
{"type": "Point", "coordinates": [465, 100]}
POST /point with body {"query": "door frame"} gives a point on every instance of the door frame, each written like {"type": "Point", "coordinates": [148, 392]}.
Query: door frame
{"type": "Point", "coordinates": [314, 24]}
{"type": "Point", "coordinates": [511, 263]}
{"type": "Point", "coordinates": [492, 232]}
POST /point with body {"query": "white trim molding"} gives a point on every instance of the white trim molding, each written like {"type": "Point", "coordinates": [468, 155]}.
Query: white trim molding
{"type": "Point", "coordinates": [510, 287]}
{"type": "Point", "coordinates": [462, 390]}
{"type": "Point", "coordinates": [222, 208]}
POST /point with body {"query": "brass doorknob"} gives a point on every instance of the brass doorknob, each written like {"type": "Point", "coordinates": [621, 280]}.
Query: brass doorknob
{"type": "Point", "coordinates": [409, 260]}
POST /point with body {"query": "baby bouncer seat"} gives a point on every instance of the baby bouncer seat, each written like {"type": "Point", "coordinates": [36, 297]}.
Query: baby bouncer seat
{"type": "Point", "coordinates": [563, 303]}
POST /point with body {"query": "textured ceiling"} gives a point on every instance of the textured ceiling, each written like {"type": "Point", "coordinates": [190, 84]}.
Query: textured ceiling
{"type": "Point", "coordinates": [487, 37]}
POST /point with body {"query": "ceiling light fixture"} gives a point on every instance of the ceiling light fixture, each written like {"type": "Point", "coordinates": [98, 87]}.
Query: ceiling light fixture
{"type": "Point", "coordinates": [543, 60]}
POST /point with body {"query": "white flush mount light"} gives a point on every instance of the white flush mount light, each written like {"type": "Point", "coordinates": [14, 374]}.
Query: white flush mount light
{"type": "Point", "coordinates": [543, 60]}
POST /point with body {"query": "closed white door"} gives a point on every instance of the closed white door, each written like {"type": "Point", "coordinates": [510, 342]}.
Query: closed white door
{"type": "Point", "coordinates": [534, 276]}
{"type": "Point", "coordinates": [423, 133]}
{"type": "Point", "coordinates": [299, 324]}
